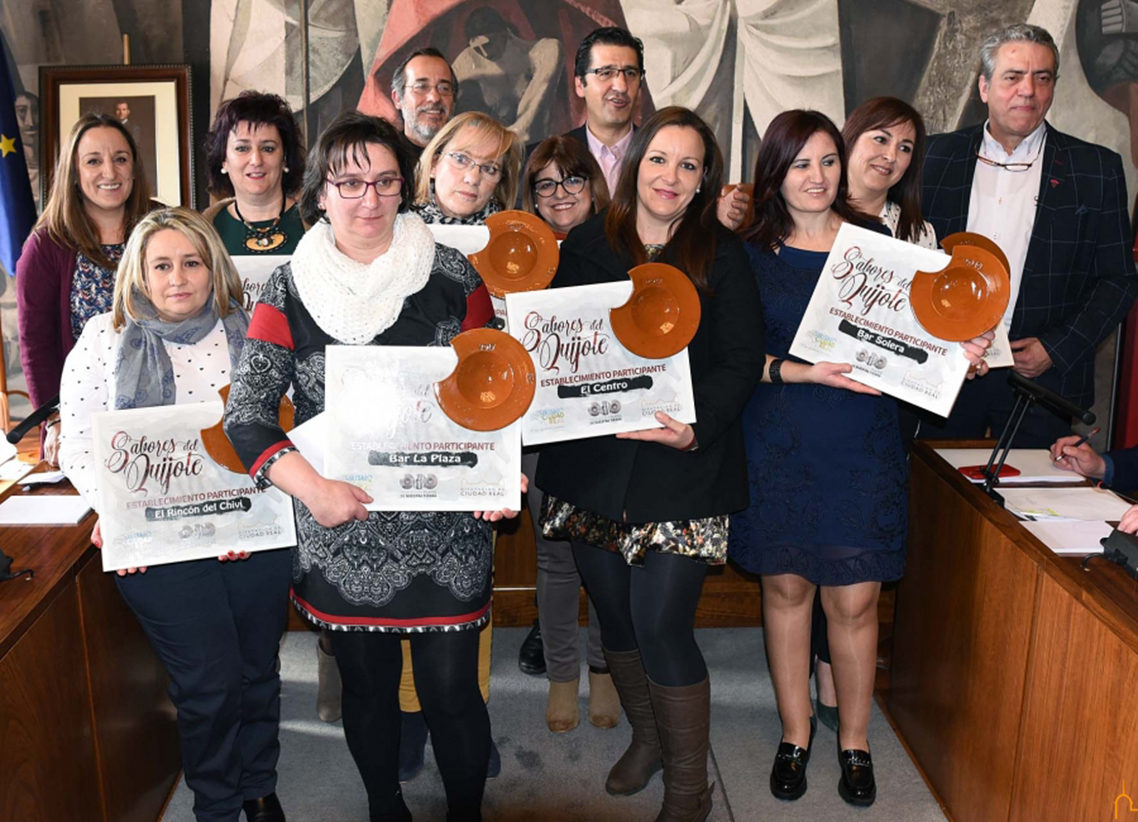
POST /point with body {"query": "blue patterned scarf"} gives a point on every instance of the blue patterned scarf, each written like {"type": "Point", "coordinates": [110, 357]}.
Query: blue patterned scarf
{"type": "Point", "coordinates": [144, 375]}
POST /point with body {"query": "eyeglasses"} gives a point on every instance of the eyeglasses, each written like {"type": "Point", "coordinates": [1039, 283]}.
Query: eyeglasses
{"type": "Point", "coordinates": [443, 87]}
{"type": "Point", "coordinates": [610, 72]}
{"type": "Point", "coordinates": [353, 189]}
{"type": "Point", "coordinates": [1014, 167]}
{"type": "Point", "coordinates": [547, 186]}
{"type": "Point", "coordinates": [464, 161]}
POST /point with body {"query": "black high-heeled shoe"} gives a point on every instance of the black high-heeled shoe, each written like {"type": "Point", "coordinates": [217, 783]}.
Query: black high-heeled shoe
{"type": "Point", "coordinates": [857, 785]}
{"type": "Point", "coordinates": [788, 774]}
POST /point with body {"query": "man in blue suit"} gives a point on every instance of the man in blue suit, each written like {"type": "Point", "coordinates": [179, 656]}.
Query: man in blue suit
{"type": "Point", "coordinates": [1057, 206]}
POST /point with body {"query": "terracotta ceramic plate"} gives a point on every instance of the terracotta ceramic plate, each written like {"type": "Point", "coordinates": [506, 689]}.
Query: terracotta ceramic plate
{"type": "Point", "coordinates": [521, 255]}
{"type": "Point", "coordinates": [965, 299]}
{"type": "Point", "coordinates": [662, 315]}
{"type": "Point", "coordinates": [962, 238]}
{"type": "Point", "coordinates": [493, 383]}
{"type": "Point", "coordinates": [220, 449]}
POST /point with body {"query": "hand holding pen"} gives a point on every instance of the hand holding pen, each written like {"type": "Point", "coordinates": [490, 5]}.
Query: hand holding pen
{"type": "Point", "coordinates": [1074, 454]}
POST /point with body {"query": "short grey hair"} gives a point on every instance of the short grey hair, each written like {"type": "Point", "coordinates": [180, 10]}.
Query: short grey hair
{"type": "Point", "coordinates": [1016, 33]}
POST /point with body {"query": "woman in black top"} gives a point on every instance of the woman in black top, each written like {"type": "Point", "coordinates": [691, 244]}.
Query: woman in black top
{"type": "Point", "coordinates": [659, 499]}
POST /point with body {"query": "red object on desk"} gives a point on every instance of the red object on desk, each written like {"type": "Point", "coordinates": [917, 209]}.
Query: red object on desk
{"type": "Point", "coordinates": [976, 472]}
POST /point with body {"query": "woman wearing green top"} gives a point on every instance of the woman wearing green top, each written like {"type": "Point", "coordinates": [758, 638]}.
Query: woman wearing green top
{"type": "Point", "coordinates": [256, 162]}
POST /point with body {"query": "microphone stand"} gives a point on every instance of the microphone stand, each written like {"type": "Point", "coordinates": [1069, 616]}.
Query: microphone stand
{"type": "Point", "coordinates": [1027, 393]}
{"type": "Point", "coordinates": [14, 436]}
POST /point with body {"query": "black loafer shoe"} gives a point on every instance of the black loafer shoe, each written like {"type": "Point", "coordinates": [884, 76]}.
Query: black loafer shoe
{"type": "Point", "coordinates": [857, 785]}
{"type": "Point", "coordinates": [266, 809]}
{"type": "Point", "coordinates": [788, 774]}
{"type": "Point", "coordinates": [531, 658]}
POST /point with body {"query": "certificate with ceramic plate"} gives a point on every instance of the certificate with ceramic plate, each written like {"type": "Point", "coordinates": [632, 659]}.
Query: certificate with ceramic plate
{"type": "Point", "coordinates": [860, 314]}
{"type": "Point", "coordinates": [387, 434]}
{"type": "Point", "coordinates": [254, 271]}
{"type": "Point", "coordinates": [162, 499]}
{"type": "Point", "coordinates": [588, 384]}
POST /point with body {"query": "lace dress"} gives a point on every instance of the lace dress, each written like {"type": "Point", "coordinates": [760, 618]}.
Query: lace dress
{"type": "Point", "coordinates": [826, 468]}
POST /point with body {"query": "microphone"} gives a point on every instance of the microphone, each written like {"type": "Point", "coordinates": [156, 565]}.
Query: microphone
{"type": "Point", "coordinates": [1049, 399]}
{"type": "Point", "coordinates": [34, 419]}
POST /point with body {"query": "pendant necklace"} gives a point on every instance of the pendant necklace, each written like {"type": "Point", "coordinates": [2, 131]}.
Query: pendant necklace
{"type": "Point", "coordinates": [263, 240]}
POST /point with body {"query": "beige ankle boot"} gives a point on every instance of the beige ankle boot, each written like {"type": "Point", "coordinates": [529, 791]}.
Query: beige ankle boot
{"type": "Point", "coordinates": [561, 709]}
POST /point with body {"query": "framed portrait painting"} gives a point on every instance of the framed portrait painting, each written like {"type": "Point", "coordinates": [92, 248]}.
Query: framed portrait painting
{"type": "Point", "coordinates": [151, 102]}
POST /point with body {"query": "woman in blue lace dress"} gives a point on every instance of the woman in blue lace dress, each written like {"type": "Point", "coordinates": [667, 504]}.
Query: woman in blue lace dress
{"type": "Point", "coordinates": [826, 466]}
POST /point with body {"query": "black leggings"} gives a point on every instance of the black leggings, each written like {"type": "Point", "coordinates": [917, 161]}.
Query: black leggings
{"type": "Point", "coordinates": [446, 678]}
{"type": "Point", "coordinates": [650, 607]}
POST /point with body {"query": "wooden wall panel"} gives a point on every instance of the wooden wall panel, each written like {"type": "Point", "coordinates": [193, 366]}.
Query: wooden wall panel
{"type": "Point", "coordinates": [960, 644]}
{"type": "Point", "coordinates": [1080, 735]}
{"type": "Point", "coordinates": [47, 752]}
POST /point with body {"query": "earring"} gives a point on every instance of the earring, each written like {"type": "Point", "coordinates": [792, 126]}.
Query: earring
{"type": "Point", "coordinates": [697, 191]}
{"type": "Point", "coordinates": [224, 171]}
{"type": "Point", "coordinates": [286, 169]}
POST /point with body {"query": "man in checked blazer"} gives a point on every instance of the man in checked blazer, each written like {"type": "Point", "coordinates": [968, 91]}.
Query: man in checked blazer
{"type": "Point", "coordinates": [1057, 206]}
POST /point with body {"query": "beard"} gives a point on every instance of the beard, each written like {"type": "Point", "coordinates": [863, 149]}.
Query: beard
{"type": "Point", "coordinates": [423, 129]}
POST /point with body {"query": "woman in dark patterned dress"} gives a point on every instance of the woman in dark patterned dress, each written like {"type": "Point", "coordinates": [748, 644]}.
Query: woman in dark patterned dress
{"type": "Point", "coordinates": [827, 471]}
{"type": "Point", "coordinates": [66, 272]}
{"type": "Point", "coordinates": [647, 511]}
{"type": "Point", "coordinates": [369, 273]}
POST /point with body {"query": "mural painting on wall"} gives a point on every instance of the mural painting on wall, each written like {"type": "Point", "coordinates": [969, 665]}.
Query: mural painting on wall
{"type": "Point", "coordinates": [736, 62]}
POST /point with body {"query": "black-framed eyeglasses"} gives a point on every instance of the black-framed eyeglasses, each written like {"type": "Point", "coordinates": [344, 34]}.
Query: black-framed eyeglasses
{"type": "Point", "coordinates": [444, 87]}
{"type": "Point", "coordinates": [353, 189]}
{"type": "Point", "coordinates": [547, 186]}
{"type": "Point", "coordinates": [631, 73]}
{"type": "Point", "coordinates": [464, 161]}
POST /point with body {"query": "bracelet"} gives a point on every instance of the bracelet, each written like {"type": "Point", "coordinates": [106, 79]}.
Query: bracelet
{"type": "Point", "coordinates": [691, 446]}
{"type": "Point", "coordinates": [775, 371]}
{"type": "Point", "coordinates": [51, 423]}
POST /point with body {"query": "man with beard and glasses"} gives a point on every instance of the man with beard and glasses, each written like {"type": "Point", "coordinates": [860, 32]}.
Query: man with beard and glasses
{"type": "Point", "coordinates": [423, 89]}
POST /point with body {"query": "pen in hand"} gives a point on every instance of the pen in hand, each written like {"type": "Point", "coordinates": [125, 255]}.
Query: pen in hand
{"type": "Point", "coordinates": [1081, 440]}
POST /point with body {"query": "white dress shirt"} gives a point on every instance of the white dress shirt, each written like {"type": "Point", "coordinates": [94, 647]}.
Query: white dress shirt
{"type": "Point", "coordinates": [1003, 203]}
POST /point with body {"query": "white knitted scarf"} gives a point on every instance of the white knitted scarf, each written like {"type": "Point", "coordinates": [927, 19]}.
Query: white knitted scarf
{"type": "Point", "coordinates": [353, 302]}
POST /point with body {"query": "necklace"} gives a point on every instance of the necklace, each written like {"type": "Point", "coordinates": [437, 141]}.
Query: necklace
{"type": "Point", "coordinates": [263, 240]}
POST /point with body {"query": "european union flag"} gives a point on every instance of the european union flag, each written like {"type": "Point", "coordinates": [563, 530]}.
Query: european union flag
{"type": "Point", "coordinates": [17, 208]}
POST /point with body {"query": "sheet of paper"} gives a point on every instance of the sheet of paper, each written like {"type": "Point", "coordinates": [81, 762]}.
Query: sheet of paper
{"type": "Point", "coordinates": [469, 239]}
{"type": "Point", "coordinates": [50, 509]}
{"type": "Point", "coordinates": [860, 314]}
{"type": "Point", "coordinates": [1080, 537]}
{"type": "Point", "coordinates": [43, 478]}
{"type": "Point", "coordinates": [999, 353]}
{"type": "Point", "coordinates": [588, 384]}
{"type": "Point", "coordinates": [1083, 503]}
{"type": "Point", "coordinates": [12, 470]}
{"type": "Point", "coordinates": [1034, 464]}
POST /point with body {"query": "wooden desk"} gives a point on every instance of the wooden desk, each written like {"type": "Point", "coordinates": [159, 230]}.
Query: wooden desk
{"type": "Point", "coordinates": [1014, 679]}
{"type": "Point", "coordinates": [86, 729]}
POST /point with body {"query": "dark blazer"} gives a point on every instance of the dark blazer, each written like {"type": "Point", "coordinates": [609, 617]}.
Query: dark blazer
{"type": "Point", "coordinates": [649, 482]}
{"type": "Point", "coordinates": [1078, 278]}
{"type": "Point", "coordinates": [1125, 476]}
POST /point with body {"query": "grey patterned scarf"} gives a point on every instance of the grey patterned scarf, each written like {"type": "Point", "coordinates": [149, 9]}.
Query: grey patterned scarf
{"type": "Point", "coordinates": [144, 375]}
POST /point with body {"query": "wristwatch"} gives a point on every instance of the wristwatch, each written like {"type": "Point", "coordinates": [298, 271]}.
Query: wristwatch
{"type": "Point", "coordinates": [775, 371]}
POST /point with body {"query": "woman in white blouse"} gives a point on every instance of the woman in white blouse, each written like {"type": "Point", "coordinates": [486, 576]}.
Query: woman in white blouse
{"type": "Point", "coordinates": [885, 141]}
{"type": "Point", "coordinates": [216, 627]}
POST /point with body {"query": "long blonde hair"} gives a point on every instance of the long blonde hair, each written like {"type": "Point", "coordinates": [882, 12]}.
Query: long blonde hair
{"type": "Point", "coordinates": [480, 128]}
{"type": "Point", "coordinates": [130, 282]}
{"type": "Point", "coordinates": [64, 215]}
